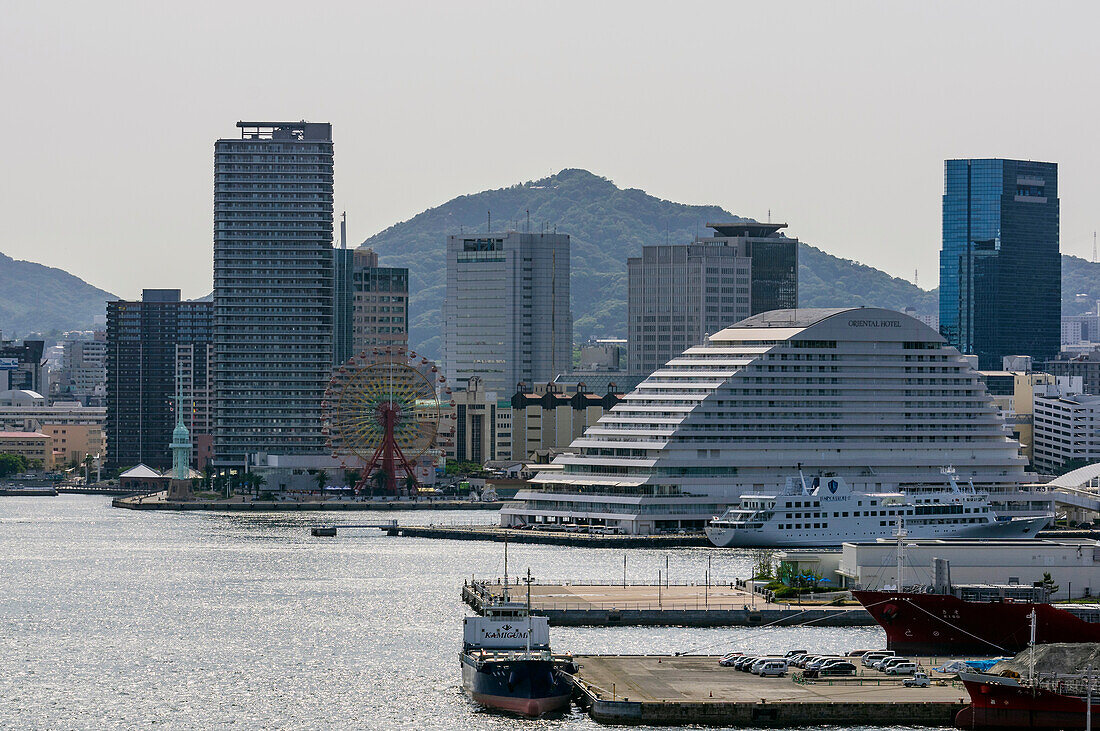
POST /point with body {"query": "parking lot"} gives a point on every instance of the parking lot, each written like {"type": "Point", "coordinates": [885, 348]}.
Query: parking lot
{"type": "Point", "coordinates": [652, 678]}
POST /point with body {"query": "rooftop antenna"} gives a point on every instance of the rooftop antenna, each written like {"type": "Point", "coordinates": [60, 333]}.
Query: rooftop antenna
{"type": "Point", "coordinates": [528, 220]}
{"type": "Point", "coordinates": [916, 277]}
{"type": "Point", "coordinates": [489, 222]}
{"type": "Point", "coordinates": [769, 215]}
{"type": "Point", "coordinates": [1093, 247]}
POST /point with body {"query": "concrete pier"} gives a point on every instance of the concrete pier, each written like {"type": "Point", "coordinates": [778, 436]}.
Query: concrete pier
{"type": "Point", "coordinates": [552, 538]}
{"type": "Point", "coordinates": [159, 502]}
{"type": "Point", "coordinates": [693, 605]}
{"type": "Point", "coordinates": [664, 690]}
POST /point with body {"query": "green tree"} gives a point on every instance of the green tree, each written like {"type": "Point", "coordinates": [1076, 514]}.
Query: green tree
{"type": "Point", "coordinates": [321, 478]}
{"type": "Point", "coordinates": [11, 464]}
{"type": "Point", "coordinates": [462, 469]}
{"type": "Point", "coordinates": [1048, 584]}
{"type": "Point", "coordinates": [763, 564]}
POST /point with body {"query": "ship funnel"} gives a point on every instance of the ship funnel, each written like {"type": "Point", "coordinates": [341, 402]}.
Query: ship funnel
{"type": "Point", "coordinates": [941, 576]}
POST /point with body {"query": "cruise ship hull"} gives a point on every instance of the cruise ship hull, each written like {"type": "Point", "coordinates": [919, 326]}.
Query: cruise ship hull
{"type": "Point", "coordinates": [740, 538]}
{"type": "Point", "coordinates": [531, 687]}
{"type": "Point", "coordinates": [995, 703]}
{"type": "Point", "coordinates": [943, 624]}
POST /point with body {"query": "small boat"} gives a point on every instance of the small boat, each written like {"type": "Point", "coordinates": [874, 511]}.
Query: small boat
{"type": "Point", "coordinates": [507, 663]}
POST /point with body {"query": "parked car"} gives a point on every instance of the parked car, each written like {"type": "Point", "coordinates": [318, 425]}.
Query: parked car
{"type": "Point", "coordinates": [919, 680]}
{"type": "Point", "coordinates": [772, 668]}
{"type": "Point", "coordinates": [760, 662]}
{"type": "Point", "coordinates": [857, 653]}
{"type": "Point", "coordinates": [870, 658]}
{"type": "Point", "coordinates": [794, 653]}
{"type": "Point", "coordinates": [902, 668]}
{"type": "Point", "coordinates": [807, 659]}
{"type": "Point", "coordinates": [836, 669]}
{"type": "Point", "coordinates": [742, 662]}
{"type": "Point", "coordinates": [889, 662]}
{"type": "Point", "coordinates": [728, 659]}
{"type": "Point", "coordinates": [816, 664]}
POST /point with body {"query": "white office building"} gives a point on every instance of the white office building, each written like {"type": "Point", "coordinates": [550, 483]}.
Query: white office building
{"type": "Point", "coordinates": [868, 394]}
{"type": "Point", "coordinates": [1067, 427]}
{"type": "Point", "coordinates": [506, 318]}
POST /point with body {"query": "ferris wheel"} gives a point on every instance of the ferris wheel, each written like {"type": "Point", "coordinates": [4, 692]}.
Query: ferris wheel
{"type": "Point", "coordinates": [382, 410]}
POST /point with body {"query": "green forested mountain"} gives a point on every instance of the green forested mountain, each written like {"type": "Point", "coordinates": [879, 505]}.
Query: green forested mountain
{"type": "Point", "coordinates": [1080, 285]}
{"type": "Point", "coordinates": [825, 280]}
{"type": "Point", "coordinates": [37, 298]}
{"type": "Point", "coordinates": [607, 224]}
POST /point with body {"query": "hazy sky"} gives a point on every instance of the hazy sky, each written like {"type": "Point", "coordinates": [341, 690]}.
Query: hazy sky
{"type": "Point", "coordinates": [836, 116]}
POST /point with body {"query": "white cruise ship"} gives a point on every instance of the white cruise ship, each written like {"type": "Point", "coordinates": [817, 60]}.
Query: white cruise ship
{"type": "Point", "coordinates": [870, 394]}
{"type": "Point", "coordinates": [827, 512]}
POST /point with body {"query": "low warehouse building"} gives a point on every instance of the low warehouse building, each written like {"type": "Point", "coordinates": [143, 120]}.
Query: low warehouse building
{"type": "Point", "coordinates": [1073, 563]}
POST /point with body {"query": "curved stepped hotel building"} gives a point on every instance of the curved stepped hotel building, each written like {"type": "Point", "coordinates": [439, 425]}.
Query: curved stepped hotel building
{"type": "Point", "coordinates": [869, 394]}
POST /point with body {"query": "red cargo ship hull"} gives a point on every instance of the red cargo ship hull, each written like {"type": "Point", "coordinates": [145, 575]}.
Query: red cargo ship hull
{"type": "Point", "coordinates": [943, 624]}
{"type": "Point", "coordinates": [994, 704]}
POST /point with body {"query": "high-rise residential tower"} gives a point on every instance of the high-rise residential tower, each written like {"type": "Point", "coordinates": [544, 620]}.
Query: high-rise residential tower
{"type": "Point", "coordinates": [679, 293]}
{"type": "Point", "coordinates": [1000, 270]}
{"type": "Point", "coordinates": [273, 287]}
{"type": "Point", "coordinates": [372, 303]}
{"type": "Point", "coordinates": [506, 317]}
{"type": "Point", "coordinates": [144, 374]}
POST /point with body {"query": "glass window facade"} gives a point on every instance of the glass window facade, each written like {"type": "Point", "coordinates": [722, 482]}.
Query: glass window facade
{"type": "Point", "coordinates": [1000, 269]}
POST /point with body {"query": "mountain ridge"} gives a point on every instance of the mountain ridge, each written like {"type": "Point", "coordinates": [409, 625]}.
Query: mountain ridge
{"type": "Point", "coordinates": [35, 298]}
{"type": "Point", "coordinates": [606, 224]}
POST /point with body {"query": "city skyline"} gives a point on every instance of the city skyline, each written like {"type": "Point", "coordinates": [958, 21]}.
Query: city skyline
{"type": "Point", "coordinates": [839, 124]}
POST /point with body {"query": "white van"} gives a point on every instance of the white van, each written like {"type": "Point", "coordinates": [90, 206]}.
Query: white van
{"type": "Point", "coordinates": [773, 668]}
{"type": "Point", "coordinates": [902, 668]}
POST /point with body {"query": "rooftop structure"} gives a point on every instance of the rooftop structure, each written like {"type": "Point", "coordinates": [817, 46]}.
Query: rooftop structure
{"type": "Point", "coordinates": [868, 394]}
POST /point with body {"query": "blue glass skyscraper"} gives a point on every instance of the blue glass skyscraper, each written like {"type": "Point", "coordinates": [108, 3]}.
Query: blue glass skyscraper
{"type": "Point", "coordinates": [1000, 270]}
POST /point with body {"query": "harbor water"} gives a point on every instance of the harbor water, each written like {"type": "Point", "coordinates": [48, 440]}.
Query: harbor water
{"type": "Point", "coordinates": [120, 619]}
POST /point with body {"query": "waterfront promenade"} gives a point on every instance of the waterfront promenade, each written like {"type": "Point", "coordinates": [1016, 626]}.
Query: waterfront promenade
{"type": "Point", "coordinates": [160, 501]}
